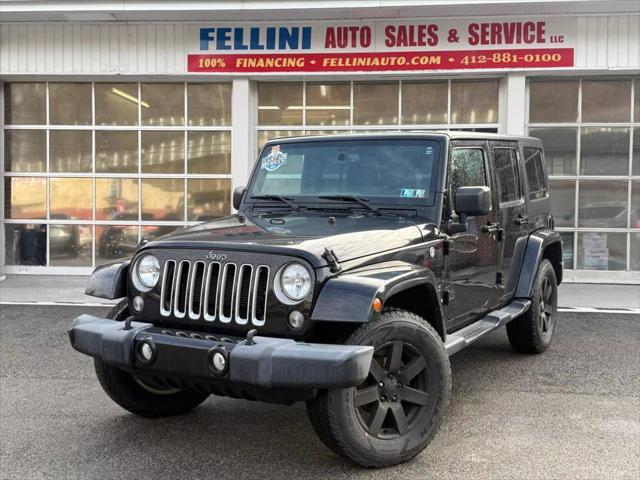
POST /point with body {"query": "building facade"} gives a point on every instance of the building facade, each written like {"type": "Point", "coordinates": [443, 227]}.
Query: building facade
{"type": "Point", "coordinates": [132, 120]}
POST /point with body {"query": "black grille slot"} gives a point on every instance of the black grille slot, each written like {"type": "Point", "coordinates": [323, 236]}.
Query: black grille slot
{"type": "Point", "coordinates": [196, 289]}
{"type": "Point", "coordinates": [183, 282]}
{"type": "Point", "coordinates": [229, 281]}
{"type": "Point", "coordinates": [212, 294]}
{"type": "Point", "coordinates": [244, 292]}
{"type": "Point", "coordinates": [167, 286]}
{"type": "Point", "coordinates": [260, 305]}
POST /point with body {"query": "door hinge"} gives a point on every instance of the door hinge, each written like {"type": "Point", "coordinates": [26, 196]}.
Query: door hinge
{"type": "Point", "coordinates": [499, 278]}
{"type": "Point", "coordinates": [447, 296]}
{"type": "Point", "coordinates": [446, 247]}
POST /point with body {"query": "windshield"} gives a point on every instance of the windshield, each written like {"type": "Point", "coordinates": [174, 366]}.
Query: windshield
{"type": "Point", "coordinates": [384, 169]}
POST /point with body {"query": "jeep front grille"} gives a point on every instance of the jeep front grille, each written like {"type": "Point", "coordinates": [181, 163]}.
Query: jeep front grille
{"type": "Point", "coordinates": [214, 291]}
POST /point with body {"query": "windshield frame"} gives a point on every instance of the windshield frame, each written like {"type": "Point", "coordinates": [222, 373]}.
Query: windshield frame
{"type": "Point", "coordinates": [390, 202]}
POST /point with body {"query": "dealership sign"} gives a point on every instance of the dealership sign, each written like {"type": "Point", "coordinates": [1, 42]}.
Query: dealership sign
{"type": "Point", "coordinates": [383, 46]}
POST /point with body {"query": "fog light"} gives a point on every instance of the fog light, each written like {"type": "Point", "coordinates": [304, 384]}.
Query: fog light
{"type": "Point", "coordinates": [146, 351]}
{"type": "Point", "coordinates": [218, 361]}
{"type": "Point", "coordinates": [296, 320]}
{"type": "Point", "coordinates": [138, 303]}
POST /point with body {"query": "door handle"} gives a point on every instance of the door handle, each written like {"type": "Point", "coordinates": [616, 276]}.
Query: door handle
{"type": "Point", "coordinates": [521, 220]}
{"type": "Point", "coordinates": [490, 227]}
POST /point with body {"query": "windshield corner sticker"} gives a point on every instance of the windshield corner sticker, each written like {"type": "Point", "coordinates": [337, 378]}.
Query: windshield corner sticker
{"type": "Point", "coordinates": [274, 160]}
{"type": "Point", "coordinates": [412, 193]}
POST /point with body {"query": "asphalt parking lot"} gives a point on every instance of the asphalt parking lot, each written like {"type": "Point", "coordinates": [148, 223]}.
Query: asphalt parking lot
{"type": "Point", "coordinates": [573, 412]}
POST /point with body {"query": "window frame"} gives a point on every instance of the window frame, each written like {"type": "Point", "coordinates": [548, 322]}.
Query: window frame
{"type": "Point", "coordinates": [521, 199]}
{"type": "Point", "coordinates": [545, 177]}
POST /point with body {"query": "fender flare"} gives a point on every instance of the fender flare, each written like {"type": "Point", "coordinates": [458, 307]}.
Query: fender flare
{"type": "Point", "coordinates": [349, 296]}
{"type": "Point", "coordinates": [109, 280]}
{"type": "Point", "coordinates": [537, 243]}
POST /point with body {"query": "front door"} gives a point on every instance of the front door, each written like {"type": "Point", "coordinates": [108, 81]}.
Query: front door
{"type": "Point", "coordinates": [471, 265]}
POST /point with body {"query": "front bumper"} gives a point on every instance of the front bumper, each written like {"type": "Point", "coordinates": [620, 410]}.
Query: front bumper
{"type": "Point", "coordinates": [267, 362]}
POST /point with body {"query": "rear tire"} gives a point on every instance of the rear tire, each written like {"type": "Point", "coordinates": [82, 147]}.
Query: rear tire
{"type": "Point", "coordinates": [532, 332]}
{"type": "Point", "coordinates": [134, 395]}
{"type": "Point", "coordinates": [397, 410]}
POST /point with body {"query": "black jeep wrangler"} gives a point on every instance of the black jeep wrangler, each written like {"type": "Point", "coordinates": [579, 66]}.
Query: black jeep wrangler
{"type": "Point", "coordinates": [355, 266]}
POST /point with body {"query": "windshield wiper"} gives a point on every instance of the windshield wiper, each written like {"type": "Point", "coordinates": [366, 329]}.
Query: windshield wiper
{"type": "Point", "coordinates": [352, 198]}
{"type": "Point", "coordinates": [279, 198]}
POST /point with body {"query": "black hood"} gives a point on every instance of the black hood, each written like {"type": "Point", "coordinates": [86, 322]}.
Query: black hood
{"type": "Point", "coordinates": [305, 235]}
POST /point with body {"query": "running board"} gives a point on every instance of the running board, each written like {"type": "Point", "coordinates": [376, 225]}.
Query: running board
{"type": "Point", "coordinates": [469, 334]}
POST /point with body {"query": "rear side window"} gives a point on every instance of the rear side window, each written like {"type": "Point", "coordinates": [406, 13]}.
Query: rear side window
{"type": "Point", "coordinates": [466, 169]}
{"type": "Point", "coordinates": [505, 161]}
{"type": "Point", "coordinates": [536, 180]}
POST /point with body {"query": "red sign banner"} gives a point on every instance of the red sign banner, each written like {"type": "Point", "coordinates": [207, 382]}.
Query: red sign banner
{"type": "Point", "coordinates": [381, 61]}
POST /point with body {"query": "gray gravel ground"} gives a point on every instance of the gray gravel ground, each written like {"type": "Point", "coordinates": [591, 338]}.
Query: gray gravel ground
{"type": "Point", "coordinates": [573, 412]}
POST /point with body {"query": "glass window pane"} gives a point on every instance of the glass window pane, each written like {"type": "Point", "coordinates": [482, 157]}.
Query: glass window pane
{"type": "Point", "coordinates": [553, 101]}
{"type": "Point", "coordinates": [70, 245]}
{"type": "Point", "coordinates": [151, 232]}
{"type": "Point", "coordinates": [604, 151]}
{"type": "Point", "coordinates": [116, 152]}
{"type": "Point", "coordinates": [560, 147]}
{"type": "Point", "coordinates": [328, 104]}
{"type": "Point", "coordinates": [474, 101]}
{"type": "Point", "coordinates": [70, 104]}
{"type": "Point", "coordinates": [209, 152]}
{"type": "Point", "coordinates": [635, 204]}
{"type": "Point", "coordinates": [567, 249]}
{"type": "Point", "coordinates": [162, 104]}
{"type": "Point", "coordinates": [424, 103]}
{"type": "Point", "coordinates": [25, 197]}
{"type": "Point", "coordinates": [25, 244]}
{"type": "Point", "coordinates": [636, 152]}
{"type": "Point", "coordinates": [636, 104]}
{"type": "Point", "coordinates": [25, 150]}
{"type": "Point", "coordinates": [162, 199]}
{"type": "Point", "coordinates": [602, 203]}
{"type": "Point", "coordinates": [208, 198]}
{"type": "Point", "coordinates": [506, 165]}
{"type": "Point", "coordinates": [375, 103]}
{"type": "Point", "coordinates": [116, 199]}
{"type": "Point", "coordinates": [24, 104]}
{"type": "Point", "coordinates": [606, 100]}
{"type": "Point", "coordinates": [280, 104]}
{"type": "Point", "coordinates": [634, 265]}
{"type": "Point", "coordinates": [602, 251]}
{"type": "Point", "coordinates": [116, 103]}
{"type": "Point", "coordinates": [265, 135]}
{"type": "Point", "coordinates": [209, 103]}
{"type": "Point", "coordinates": [563, 200]}
{"type": "Point", "coordinates": [162, 152]}
{"type": "Point", "coordinates": [70, 151]}
{"type": "Point", "coordinates": [71, 198]}
{"type": "Point", "coordinates": [115, 241]}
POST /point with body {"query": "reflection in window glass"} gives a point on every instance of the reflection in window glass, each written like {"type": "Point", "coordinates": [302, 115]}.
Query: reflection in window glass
{"type": "Point", "coordinates": [563, 194]}
{"type": "Point", "coordinates": [553, 101]}
{"type": "Point", "coordinates": [602, 203]}
{"type": "Point", "coordinates": [209, 103]}
{"type": "Point", "coordinates": [208, 198]}
{"type": "Point", "coordinates": [116, 152]}
{"type": "Point", "coordinates": [467, 169]}
{"type": "Point", "coordinates": [116, 103]}
{"type": "Point", "coordinates": [634, 264]}
{"type": "Point", "coordinates": [604, 151]}
{"type": "Point", "coordinates": [328, 104]}
{"type": "Point", "coordinates": [25, 197]}
{"type": "Point", "coordinates": [115, 241]}
{"type": "Point", "coordinates": [375, 103]}
{"type": "Point", "coordinates": [636, 101]}
{"type": "Point", "coordinates": [25, 150]}
{"type": "Point", "coordinates": [505, 161]}
{"type": "Point", "coordinates": [560, 146]}
{"type": "Point", "coordinates": [25, 244]}
{"type": "Point", "coordinates": [602, 251]}
{"type": "Point", "coordinates": [162, 199]}
{"type": "Point", "coordinates": [567, 249]}
{"type": "Point", "coordinates": [635, 204]}
{"type": "Point", "coordinates": [280, 104]}
{"type": "Point", "coordinates": [424, 102]}
{"type": "Point", "coordinates": [152, 232]}
{"type": "Point", "coordinates": [116, 199]}
{"type": "Point", "coordinates": [209, 152]}
{"type": "Point", "coordinates": [474, 101]}
{"type": "Point", "coordinates": [70, 104]}
{"type": "Point", "coordinates": [162, 152]}
{"type": "Point", "coordinates": [70, 245]}
{"type": "Point", "coordinates": [70, 151]}
{"type": "Point", "coordinates": [266, 135]}
{"type": "Point", "coordinates": [24, 104]}
{"type": "Point", "coordinates": [162, 104]}
{"type": "Point", "coordinates": [71, 198]}
{"type": "Point", "coordinates": [636, 151]}
{"type": "Point", "coordinates": [606, 100]}
{"type": "Point", "coordinates": [536, 180]}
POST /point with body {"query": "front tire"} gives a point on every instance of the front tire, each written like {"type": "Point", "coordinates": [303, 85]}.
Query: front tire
{"type": "Point", "coordinates": [397, 410]}
{"type": "Point", "coordinates": [133, 394]}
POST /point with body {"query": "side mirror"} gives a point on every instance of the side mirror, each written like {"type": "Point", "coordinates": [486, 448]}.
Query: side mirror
{"type": "Point", "coordinates": [470, 201]}
{"type": "Point", "coordinates": [238, 193]}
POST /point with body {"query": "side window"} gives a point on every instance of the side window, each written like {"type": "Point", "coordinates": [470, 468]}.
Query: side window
{"type": "Point", "coordinates": [466, 169]}
{"type": "Point", "coordinates": [505, 161]}
{"type": "Point", "coordinates": [536, 180]}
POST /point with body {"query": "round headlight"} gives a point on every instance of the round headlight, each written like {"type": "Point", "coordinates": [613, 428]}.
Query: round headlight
{"type": "Point", "coordinates": [295, 281]}
{"type": "Point", "coordinates": [148, 271]}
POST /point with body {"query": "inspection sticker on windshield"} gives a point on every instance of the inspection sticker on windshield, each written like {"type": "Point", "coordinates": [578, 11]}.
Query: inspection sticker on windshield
{"type": "Point", "coordinates": [274, 160]}
{"type": "Point", "coordinates": [412, 193]}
